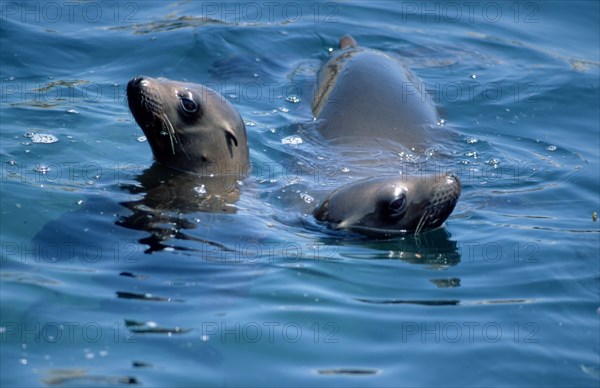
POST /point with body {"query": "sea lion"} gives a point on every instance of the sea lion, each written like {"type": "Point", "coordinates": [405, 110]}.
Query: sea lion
{"type": "Point", "coordinates": [199, 142]}
{"type": "Point", "coordinates": [391, 205]}
{"type": "Point", "coordinates": [363, 94]}
{"type": "Point", "coordinates": [189, 127]}
{"type": "Point", "coordinates": [367, 93]}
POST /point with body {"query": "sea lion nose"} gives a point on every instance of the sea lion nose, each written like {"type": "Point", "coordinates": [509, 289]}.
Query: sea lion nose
{"type": "Point", "coordinates": [454, 180]}
{"type": "Point", "coordinates": [454, 177]}
{"type": "Point", "coordinates": [135, 81]}
{"type": "Point", "coordinates": [137, 85]}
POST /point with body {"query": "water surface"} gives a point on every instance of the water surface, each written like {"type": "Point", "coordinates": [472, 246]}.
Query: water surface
{"type": "Point", "coordinates": [505, 294]}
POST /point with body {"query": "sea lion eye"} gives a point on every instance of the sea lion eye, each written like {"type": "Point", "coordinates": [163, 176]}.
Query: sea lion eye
{"type": "Point", "coordinates": [186, 99]}
{"type": "Point", "coordinates": [188, 105]}
{"type": "Point", "coordinates": [397, 205]}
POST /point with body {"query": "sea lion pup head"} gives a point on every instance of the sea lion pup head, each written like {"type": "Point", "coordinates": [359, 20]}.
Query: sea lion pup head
{"type": "Point", "coordinates": [385, 206]}
{"type": "Point", "coordinates": [189, 126]}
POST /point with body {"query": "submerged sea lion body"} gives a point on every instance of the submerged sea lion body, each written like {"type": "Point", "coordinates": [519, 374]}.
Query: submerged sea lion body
{"type": "Point", "coordinates": [364, 94]}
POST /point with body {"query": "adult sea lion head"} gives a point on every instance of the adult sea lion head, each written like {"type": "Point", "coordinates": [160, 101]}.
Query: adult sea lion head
{"type": "Point", "coordinates": [385, 206]}
{"type": "Point", "coordinates": [189, 127]}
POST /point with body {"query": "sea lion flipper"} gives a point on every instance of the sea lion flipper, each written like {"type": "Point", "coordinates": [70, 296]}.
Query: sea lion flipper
{"type": "Point", "coordinates": [347, 41]}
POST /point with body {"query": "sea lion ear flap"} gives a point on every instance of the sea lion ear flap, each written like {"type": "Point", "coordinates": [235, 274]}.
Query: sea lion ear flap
{"type": "Point", "coordinates": [230, 135]}
{"type": "Point", "coordinates": [230, 138]}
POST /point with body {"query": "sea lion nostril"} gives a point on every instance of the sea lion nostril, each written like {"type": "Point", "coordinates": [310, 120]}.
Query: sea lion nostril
{"type": "Point", "coordinates": [134, 85]}
{"type": "Point", "coordinates": [137, 82]}
{"type": "Point", "coordinates": [455, 178]}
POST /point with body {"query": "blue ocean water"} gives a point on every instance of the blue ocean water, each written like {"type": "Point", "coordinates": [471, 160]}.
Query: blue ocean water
{"type": "Point", "coordinates": [507, 293]}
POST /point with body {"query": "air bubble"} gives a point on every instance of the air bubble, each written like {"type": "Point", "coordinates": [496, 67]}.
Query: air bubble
{"type": "Point", "coordinates": [293, 99]}
{"type": "Point", "coordinates": [292, 140]}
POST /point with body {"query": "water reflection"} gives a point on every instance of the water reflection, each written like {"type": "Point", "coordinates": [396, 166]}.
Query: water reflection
{"type": "Point", "coordinates": [434, 248]}
{"type": "Point", "coordinates": [170, 197]}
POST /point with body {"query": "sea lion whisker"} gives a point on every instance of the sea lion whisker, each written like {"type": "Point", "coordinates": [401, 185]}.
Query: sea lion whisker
{"type": "Point", "coordinates": [167, 129]}
{"type": "Point", "coordinates": [170, 131]}
{"type": "Point", "coordinates": [174, 136]}
{"type": "Point", "coordinates": [421, 223]}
